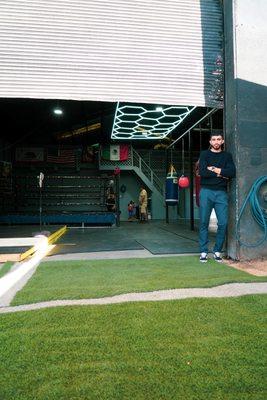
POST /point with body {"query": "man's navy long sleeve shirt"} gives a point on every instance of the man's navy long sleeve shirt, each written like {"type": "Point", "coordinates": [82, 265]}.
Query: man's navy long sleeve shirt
{"type": "Point", "coordinates": [223, 160]}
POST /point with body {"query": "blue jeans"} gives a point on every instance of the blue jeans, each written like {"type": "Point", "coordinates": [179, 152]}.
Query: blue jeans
{"type": "Point", "coordinates": [209, 199]}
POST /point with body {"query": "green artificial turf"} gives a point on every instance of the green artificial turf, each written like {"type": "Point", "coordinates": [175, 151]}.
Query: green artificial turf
{"type": "Point", "coordinates": [188, 349]}
{"type": "Point", "coordinates": [90, 279]}
{"type": "Point", "coordinates": [5, 268]}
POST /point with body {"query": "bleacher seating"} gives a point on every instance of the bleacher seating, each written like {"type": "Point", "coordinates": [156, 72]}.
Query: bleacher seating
{"type": "Point", "coordinates": [73, 198]}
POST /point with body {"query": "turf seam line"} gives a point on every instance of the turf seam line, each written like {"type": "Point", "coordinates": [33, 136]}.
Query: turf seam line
{"type": "Point", "coordinates": [226, 290]}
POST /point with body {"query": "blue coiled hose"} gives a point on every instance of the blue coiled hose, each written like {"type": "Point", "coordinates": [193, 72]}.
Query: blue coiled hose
{"type": "Point", "coordinates": [258, 213]}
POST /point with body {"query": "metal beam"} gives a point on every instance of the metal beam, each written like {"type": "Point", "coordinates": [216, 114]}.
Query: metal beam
{"type": "Point", "coordinates": [212, 111]}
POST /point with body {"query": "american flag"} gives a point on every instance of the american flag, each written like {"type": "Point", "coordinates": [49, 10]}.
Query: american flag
{"type": "Point", "coordinates": [61, 156]}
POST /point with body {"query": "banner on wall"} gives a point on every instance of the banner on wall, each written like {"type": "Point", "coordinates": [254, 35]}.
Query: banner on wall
{"type": "Point", "coordinates": [29, 154]}
{"type": "Point", "coordinates": [116, 152]}
{"type": "Point", "coordinates": [61, 156]}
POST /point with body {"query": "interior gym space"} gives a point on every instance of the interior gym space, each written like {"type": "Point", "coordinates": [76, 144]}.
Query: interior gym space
{"type": "Point", "coordinates": [59, 171]}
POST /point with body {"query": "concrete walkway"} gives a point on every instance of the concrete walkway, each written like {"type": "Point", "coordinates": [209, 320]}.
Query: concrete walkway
{"type": "Point", "coordinates": [110, 255]}
{"type": "Point", "coordinates": [228, 290]}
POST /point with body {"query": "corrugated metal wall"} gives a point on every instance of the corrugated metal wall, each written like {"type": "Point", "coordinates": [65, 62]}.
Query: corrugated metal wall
{"type": "Point", "coordinates": [149, 51]}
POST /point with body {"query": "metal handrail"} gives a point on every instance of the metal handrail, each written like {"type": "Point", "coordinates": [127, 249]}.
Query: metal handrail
{"type": "Point", "coordinates": [146, 170]}
{"type": "Point", "coordinates": [136, 161]}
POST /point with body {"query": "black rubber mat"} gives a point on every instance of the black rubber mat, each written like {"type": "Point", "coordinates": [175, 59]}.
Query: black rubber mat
{"type": "Point", "coordinates": [92, 240]}
{"type": "Point", "coordinates": [170, 246]}
{"type": "Point", "coordinates": [162, 241]}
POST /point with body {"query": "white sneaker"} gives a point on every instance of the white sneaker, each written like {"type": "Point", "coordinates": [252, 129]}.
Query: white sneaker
{"type": "Point", "coordinates": [203, 257]}
{"type": "Point", "coordinates": [217, 256]}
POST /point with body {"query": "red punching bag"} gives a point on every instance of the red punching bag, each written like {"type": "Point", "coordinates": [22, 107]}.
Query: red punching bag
{"type": "Point", "coordinates": [183, 181]}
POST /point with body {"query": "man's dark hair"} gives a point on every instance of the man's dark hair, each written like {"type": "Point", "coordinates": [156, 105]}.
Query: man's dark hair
{"type": "Point", "coordinates": [216, 134]}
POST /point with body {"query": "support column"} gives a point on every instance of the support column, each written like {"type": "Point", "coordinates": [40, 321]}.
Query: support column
{"type": "Point", "coordinates": [246, 114]}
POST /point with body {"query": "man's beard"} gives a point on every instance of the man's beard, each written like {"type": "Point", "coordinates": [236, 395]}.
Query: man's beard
{"type": "Point", "coordinates": [216, 147]}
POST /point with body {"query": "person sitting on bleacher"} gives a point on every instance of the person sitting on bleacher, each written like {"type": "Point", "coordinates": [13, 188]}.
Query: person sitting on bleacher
{"type": "Point", "coordinates": [111, 203]}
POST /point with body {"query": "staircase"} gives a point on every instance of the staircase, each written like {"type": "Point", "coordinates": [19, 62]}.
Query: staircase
{"type": "Point", "coordinates": [136, 163]}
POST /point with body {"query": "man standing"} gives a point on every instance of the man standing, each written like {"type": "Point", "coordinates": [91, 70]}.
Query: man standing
{"type": "Point", "coordinates": [143, 204]}
{"type": "Point", "coordinates": [216, 167]}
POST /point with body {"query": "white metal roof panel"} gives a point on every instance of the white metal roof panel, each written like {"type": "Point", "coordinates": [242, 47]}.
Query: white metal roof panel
{"type": "Point", "coordinates": [148, 51]}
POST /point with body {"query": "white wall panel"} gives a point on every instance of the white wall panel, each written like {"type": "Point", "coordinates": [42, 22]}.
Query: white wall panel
{"type": "Point", "coordinates": [251, 29]}
{"type": "Point", "coordinates": [149, 51]}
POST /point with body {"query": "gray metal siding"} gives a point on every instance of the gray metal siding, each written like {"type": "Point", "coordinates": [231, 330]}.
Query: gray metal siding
{"type": "Point", "coordinates": [149, 51]}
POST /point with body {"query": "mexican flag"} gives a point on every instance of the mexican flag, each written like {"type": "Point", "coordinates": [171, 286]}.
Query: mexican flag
{"type": "Point", "coordinates": [116, 152]}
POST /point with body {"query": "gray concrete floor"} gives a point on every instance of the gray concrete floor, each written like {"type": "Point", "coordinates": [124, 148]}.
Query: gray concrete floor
{"type": "Point", "coordinates": [131, 239]}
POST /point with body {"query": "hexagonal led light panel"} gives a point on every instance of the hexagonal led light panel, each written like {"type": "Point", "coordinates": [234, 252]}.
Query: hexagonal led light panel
{"type": "Point", "coordinates": [147, 121]}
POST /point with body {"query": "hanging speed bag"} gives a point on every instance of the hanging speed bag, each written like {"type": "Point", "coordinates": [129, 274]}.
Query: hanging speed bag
{"type": "Point", "coordinates": [172, 195]}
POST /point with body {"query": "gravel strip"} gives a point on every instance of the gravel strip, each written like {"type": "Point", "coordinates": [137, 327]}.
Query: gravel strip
{"type": "Point", "coordinates": [228, 290]}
